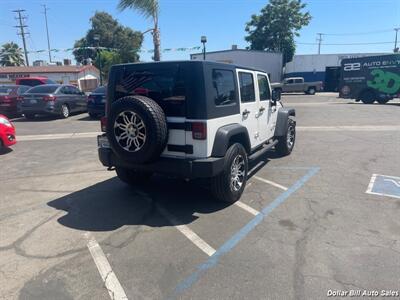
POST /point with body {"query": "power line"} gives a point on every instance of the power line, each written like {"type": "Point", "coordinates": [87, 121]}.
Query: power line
{"type": "Point", "coordinates": [47, 30]}
{"type": "Point", "coordinates": [22, 32]}
{"type": "Point", "coordinates": [346, 44]}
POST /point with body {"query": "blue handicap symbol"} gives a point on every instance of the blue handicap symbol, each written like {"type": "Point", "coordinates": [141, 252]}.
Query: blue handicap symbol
{"type": "Point", "coordinates": [385, 186]}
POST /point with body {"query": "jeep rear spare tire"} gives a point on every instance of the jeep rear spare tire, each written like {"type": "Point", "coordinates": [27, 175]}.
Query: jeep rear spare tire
{"type": "Point", "coordinates": [137, 129]}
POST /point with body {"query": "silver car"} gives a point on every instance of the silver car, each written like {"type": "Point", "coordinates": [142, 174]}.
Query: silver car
{"type": "Point", "coordinates": [52, 99]}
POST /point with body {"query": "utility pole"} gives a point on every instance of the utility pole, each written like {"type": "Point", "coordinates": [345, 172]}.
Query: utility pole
{"type": "Point", "coordinates": [47, 30]}
{"type": "Point", "coordinates": [319, 40]}
{"type": "Point", "coordinates": [395, 41]}
{"type": "Point", "coordinates": [22, 32]}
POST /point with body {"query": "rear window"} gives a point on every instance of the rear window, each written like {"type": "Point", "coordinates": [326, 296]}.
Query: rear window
{"type": "Point", "coordinates": [5, 90]}
{"type": "Point", "coordinates": [43, 89]}
{"type": "Point", "coordinates": [224, 87]}
{"type": "Point", "coordinates": [100, 90]}
{"type": "Point", "coordinates": [165, 86]}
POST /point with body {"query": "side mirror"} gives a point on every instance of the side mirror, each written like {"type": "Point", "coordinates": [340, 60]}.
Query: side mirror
{"type": "Point", "coordinates": [276, 95]}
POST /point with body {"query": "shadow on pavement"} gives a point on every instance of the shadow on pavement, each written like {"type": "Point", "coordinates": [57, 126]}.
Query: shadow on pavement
{"type": "Point", "coordinates": [110, 204]}
{"type": "Point", "coordinates": [4, 150]}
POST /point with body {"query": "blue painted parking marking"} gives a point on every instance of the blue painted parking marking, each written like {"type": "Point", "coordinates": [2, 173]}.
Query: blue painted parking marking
{"type": "Point", "coordinates": [384, 185]}
{"type": "Point", "coordinates": [202, 268]}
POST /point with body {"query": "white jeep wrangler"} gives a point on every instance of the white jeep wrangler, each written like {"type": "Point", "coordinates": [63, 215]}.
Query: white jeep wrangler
{"type": "Point", "coordinates": [192, 119]}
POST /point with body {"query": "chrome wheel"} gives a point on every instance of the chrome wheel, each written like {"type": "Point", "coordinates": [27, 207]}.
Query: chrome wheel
{"type": "Point", "coordinates": [65, 111]}
{"type": "Point", "coordinates": [237, 173]}
{"type": "Point", "coordinates": [130, 131]}
{"type": "Point", "coordinates": [291, 134]}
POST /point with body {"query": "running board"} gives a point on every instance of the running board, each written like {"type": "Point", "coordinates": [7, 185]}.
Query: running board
{"type": "Point", "coordinates": [262, 151]}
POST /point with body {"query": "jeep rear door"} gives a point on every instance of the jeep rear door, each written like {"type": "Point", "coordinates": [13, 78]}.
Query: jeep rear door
{"type": "Point", "coordinates": [267, 112]}
{"type": "Point", "coordinates": [249, 104]}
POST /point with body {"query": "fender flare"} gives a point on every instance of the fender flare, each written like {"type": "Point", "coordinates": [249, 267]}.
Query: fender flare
{"type": "Point", "coordinates": [282, 121]}
{"type": "Point", "coordinates": [227, 134]}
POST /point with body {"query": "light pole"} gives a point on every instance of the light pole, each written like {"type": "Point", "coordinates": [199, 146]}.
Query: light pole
{"type": "Point", "coordinates": [395, 41]}
{"type": "Point", "coordinates": [204, 41]}
{"type": "Point", "coordinates": [96, 37]}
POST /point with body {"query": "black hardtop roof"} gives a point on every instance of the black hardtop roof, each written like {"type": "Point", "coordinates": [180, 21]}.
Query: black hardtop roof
{"type": "Point", "coordinates": [208, 62]}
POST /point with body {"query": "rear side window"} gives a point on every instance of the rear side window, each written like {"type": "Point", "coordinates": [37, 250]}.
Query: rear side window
{"type": "Point", "coordinates": [263, 87]}
{"type": "Point", "coordinates": [43, 89]}
{"type": "Point", "coordinates": [224, 87]}
{"type": "Point", "coordinates": [165, 86]}
{"type": "Point", "coordinates": [246, 82]}
{"type": "Point", "coordinates": [298, 81]}
{"type": "Point", "coordinates": [5, 90]}
{"type": "Point", "coordinates": [49, 81]}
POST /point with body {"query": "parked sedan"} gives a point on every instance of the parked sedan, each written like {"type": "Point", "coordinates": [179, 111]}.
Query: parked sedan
{"type": "Point", "coordinates": [52, 99]}
{"type": "Point", "coordinates": [9, 97]}
{"type": "Point", "coordinates": [7, 133]}
{"type": "Point", "coordinates": [96, 101]}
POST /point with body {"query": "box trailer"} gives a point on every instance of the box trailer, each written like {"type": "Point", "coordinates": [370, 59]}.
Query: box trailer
{"type": "Point", "coordinates": [369, 79]}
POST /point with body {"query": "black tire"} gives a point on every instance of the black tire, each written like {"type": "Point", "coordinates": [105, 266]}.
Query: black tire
{"type": "Point", "coordinates": [29, 116]}
{"type": "Point", "coordinates": [93, 116]}
{"type": "Point", "coordinates": [383, 101]}
{"type": "Point", "coordinates": [145, 144]}
{"type": "Point", "coordinates": [65, 112]}
{"type": "Point", "coordinates": [132, 177]}
{"type": "Point", "coordinates": [368, 97]}
{"type": "Point", "coordinates": [222, 186]}
{"type": "Point", "coordinates": [286, 143]}
{"type": "Point", "coordinates": [311, 90]}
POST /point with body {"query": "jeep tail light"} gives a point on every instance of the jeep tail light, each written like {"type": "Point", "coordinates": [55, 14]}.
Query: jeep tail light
{"type": "Point", "coordinates": [199, 131]}
{"type": "Point", "coordinates": [103, 123]}
{"type": "Point", "coordinates": [49, 98]}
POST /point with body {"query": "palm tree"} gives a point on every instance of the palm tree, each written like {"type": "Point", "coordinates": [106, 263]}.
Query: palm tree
{"type": "Point", "coordinates": [11, 55]}
{"type": "Point", "coordinates": [149, 9]}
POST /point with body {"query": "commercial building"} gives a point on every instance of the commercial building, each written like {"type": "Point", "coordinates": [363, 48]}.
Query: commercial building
{"type": "Point", "coordinates": [85, 77]}
{"type": "Point", "coordinates": [269, 62]}
{"type": "Point", "coordinates": [320, 67]}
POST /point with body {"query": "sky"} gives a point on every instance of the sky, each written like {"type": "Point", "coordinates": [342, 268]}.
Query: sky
{"type": "Point", "coordinates": [183, 22]}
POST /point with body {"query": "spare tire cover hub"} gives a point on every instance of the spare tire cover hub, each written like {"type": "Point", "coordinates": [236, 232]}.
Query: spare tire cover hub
{"type": "Point", "coordinates": [130, 131]}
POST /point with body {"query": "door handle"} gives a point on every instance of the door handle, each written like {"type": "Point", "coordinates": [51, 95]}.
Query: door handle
{"type": "Point", "coordinates": [245, 112]}
{"type": "Point", "coordinates": [261, 109]}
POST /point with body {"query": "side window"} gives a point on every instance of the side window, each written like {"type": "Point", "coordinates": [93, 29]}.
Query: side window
{"type": "Point", "coordinates": [246, 83]}
{"type": "Point", "coordinates": [74, 90]}
{"type": "Point", "coordinates": [64, 90]}
{"type": "Point", "coordinates": [224, 87]}
{"type": "Point", "coordinates": [298, 81]}
{"type": "Point", "coordinates": [290, 81]}
{"type": "Point", "coordinates": [263, 87]}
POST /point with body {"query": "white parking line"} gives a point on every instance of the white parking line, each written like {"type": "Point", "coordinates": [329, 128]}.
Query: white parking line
{"type": "Point", "coordinates": [350, 128]}
{"type": "Point", "coordinates": [271, 183]}
{"type": "Point", "coordinates": [110, 280]}
{"type": "Point", "coordinates": [187, 232]}
{"type": "Point", "coordinates": [57, 136]}
{"type": "Point", "coordinates": [247, 208]}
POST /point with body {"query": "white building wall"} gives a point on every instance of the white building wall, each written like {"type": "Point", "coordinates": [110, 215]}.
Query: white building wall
{"type": "Point", "coordinates": [269, 62]}
{"type": "Point", "coordinates": [318, 62]}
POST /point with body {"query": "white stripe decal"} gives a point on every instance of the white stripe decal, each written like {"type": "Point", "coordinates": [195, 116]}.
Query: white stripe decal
{"type": "Point", "coordinates": [110, 280]}
{"type": "Point", "coordinates": [187, 232]}
{"type": "Point", "coordinates": [271, 183]}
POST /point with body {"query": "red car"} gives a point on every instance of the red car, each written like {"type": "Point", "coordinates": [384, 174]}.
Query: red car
{"type": "Point", "coordinates": [34, 81]}
{"type": "Point", "coordinates": [9, 97]}
{"type": "Point", "coordinates": [7, 133]}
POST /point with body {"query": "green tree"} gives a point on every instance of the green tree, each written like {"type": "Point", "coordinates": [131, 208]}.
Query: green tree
{"type": "Point", "coordinates": [107, 59]}
{"type": "Point", "coordinates": [11, 55]}
{"type": "Point", "coordinates": [149, 9]}
{"type": "Point", "coordinates": [277, 26]}
{"type": "Point", "coordinates": [122, 40]}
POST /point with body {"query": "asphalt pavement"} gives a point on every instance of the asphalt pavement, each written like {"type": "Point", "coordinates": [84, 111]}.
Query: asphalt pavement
{"type": "Point", "coordinates": [308, 225]}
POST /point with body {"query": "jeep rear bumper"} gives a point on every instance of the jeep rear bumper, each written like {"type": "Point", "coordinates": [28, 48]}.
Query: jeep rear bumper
{"type": "Point", "coordinates": [185, 168]}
